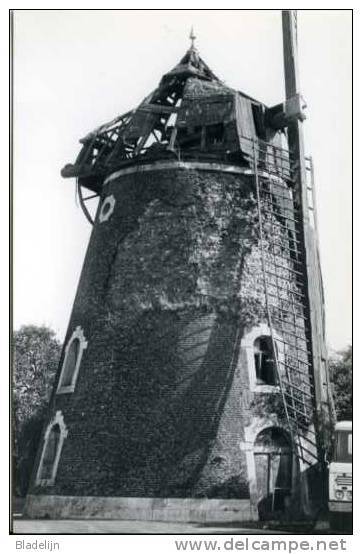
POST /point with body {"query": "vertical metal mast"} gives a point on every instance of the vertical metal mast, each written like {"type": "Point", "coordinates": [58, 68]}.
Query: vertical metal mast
{"type": "Point", "coordinates": [312, 276]}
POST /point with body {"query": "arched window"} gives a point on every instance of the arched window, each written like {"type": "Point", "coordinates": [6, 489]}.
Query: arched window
{"type": "Point", "coordinates": [71, 363]}
{"type": "Point", "coordinates": [272, 437]}
{"type": "Point", "coordinates": [257, 345]}
{"type": "Point", "coordinates": [264, 361]}
{"type": "Point", "coordinates": [50, 452]}
{"type": "Point", "coordinates": [53, 442]}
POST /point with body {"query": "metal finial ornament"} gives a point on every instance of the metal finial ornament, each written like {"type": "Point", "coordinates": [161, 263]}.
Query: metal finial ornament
{"type": "Point", "coordinates": [192, 37]}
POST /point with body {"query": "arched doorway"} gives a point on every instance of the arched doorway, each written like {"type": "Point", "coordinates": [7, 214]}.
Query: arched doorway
{"type": "Point", "coordinates": [273, 464]}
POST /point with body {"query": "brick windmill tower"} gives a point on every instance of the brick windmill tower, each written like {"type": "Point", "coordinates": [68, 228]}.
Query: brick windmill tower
{"type": "Point", "coordinates": [192, 383]}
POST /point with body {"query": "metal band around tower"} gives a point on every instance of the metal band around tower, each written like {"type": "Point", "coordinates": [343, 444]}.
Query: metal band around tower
{"type": "Point", "coordinates": [156, 166]}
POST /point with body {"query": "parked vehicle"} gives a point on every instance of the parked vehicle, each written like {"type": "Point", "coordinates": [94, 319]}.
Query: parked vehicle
{"type": "Point", "coordinates": [340, 477]}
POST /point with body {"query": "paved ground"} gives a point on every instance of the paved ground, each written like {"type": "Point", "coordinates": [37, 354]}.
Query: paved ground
{"type": "Point", "coordinates": [87, 526]}
{"type": "Point", "coordinates": [46, 526]}
{"type": "Point", "coordinates": [26, 526]}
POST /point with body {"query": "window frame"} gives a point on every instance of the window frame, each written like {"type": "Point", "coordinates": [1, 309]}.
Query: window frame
{"type": "Point", "coordinates": [109, 201]}
{"type": "Point", "coordinates": [78, 334]}
{"type": "Point", "coordinates": [247, 345]}
{"type": "Point", "coordinates": [343, 447]}
{"type": "Point", "coordinates": [57, 420]}
{"type": "Point", "coordinates": [262, 360]}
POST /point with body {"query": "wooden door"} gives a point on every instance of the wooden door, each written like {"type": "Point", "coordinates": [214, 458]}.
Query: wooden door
{"type": "Point", "coordinates": [264, 499]}
{"type": "Point", "coordinates": [273, 481]}
{"type": "Point", "coordinates": [280, 479]}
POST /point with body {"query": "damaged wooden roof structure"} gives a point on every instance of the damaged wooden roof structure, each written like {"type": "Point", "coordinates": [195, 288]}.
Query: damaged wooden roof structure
{"type": "Point", "coordinates": [191, 115]}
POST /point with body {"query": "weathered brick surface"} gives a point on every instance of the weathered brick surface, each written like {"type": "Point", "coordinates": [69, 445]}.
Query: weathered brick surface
{"type": "Point", "coordinates": [167, 289]}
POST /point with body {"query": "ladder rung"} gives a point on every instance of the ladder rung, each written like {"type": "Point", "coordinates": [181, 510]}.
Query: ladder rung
{"type": "Point", "coordinates": [297, 382]}
{"type": "Point", "coordinates": [294, 357]}
{"type": "Point", "coordinates": [304, 372]}
{"type": "Point", "coordinates": [274, 289]}
{"type": "Point", "coordinates": [267, 159]}
{"type": "Point", "coordinates": [288, 259]}
{"type": "Point", "coordinates": [290, 249]}
{"type": "Point", "coordinates": [302, 434]}
{"type": "Point", "coordinates": [292, 303]}
{"type": "Point", "coordinates": [293, 255]}
{"type": "Point", "coordinates": [291, 334]}
{"type": "Point", "coordinates": [280, 183]}
{"type": "Point", "coordinates": [313, 454]}
{"type": "Point", "coordinates": [277, 183]}
{"type": "Point", "coordinates": [292, 271]}
{"type": "Point", "coordinates": [281, 226]}
{"type": "Point", "coordinates": [298, 386]}
{"type": "Point", "coordinates": [301, 457]}
{"type": "Point", "coordinates": [272, 193]}
{"type": "Point", "coordinates": [274, 171]}
{"type": "Point", "coordinates": [286, 246]}
{"type": "Point", "coordinates": [299, 424]}
{"type": "Point", "coordinates": [277, 170]}
{"type": "Point", "coordinates": [281, 169]}
{"type": "Point", "coordinates": [306, 461]}
{"type": "Point", "coordinates": [270, 150]}
{"type": "Point", "coordinates": [295, 271]}
{"type": "Point", "coordinates": [261, 142]}
{"type": "Point", "coordinates": [295, 304]}
{"type": "Point", "coordinates": [311, 441]}
{"type": "Point", "coordinates": [268, 181]}
{"type": "Point", "coordinates": [288, 323]}
{"type": "Point", "coordinates": [287, 383]}
{"type": "Point", "coordinates": [294, 399]}
{"type": "Point", "coordinates": [280, 315]}
{"type": "Point", "coordinates": [294, 346]}
{"type": "Point", "coordinates": [271, 202]}
{"type": "Point", "coordinates": [294, 409]}
{"type": "Point", "coordinates": [297, 370]}
{"type": "Point", "coordinates": [294, 292]}
{"type": "Point", "coordinates": [292, 167]}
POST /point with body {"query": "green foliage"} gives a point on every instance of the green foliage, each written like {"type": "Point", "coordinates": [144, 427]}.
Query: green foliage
{"type": "Point", "coordinates": [201, 252]}
{"type": "Point", "coordinates": [267, 404]}
{"type": "Point", "coordinates": [341, 377]}
{"type": "Point", "coordinates": [36, 355]}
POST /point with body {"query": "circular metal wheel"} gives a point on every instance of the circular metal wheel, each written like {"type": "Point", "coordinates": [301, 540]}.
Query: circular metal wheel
{"type": "Point", "coordinates": [85, 196]}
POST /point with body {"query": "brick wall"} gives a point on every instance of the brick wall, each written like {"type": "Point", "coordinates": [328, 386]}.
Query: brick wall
{"type": "Point", "coordinates": [168, 286]}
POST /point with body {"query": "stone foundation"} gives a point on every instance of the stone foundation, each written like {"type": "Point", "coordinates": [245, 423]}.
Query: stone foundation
{"type": "Point", "coordinates": [149, 509]}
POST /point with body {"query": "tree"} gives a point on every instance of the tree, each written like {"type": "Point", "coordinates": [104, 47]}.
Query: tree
{"type": "Point", "coordinates": [36, 356]}
{"type": "Point", "coordinates": [341, 376]}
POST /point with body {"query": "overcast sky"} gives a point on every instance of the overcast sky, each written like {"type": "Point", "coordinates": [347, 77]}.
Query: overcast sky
{"type": "Point", "coordinates": [74, 70]}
